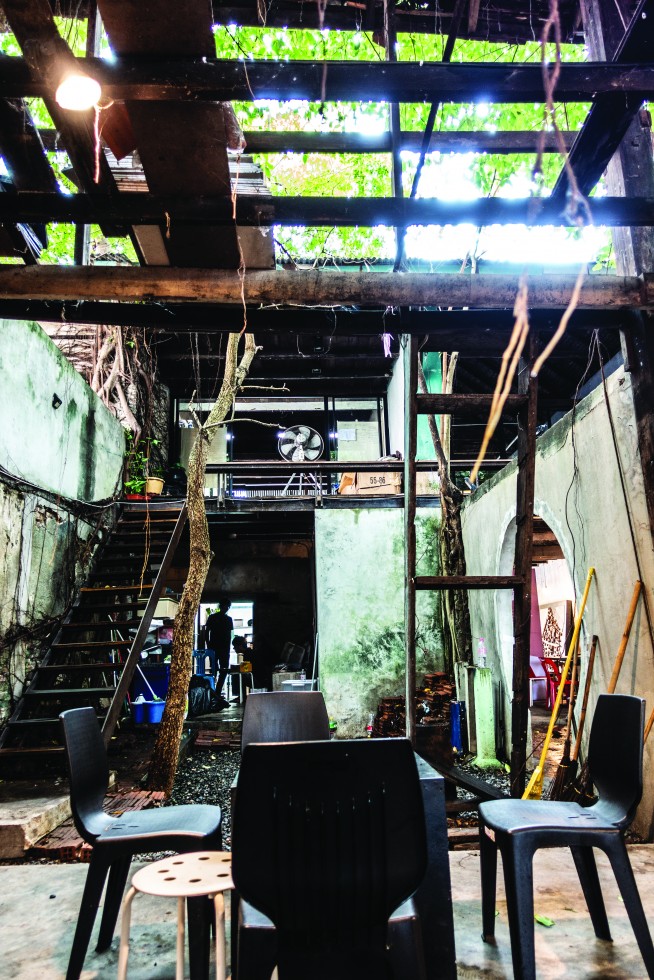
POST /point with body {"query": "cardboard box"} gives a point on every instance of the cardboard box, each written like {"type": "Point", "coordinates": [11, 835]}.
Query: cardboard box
{"type": "Point", "coordinates": [367, 484]}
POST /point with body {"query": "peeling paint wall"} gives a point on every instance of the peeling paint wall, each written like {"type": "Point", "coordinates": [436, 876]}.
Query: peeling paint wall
{"type": "Point", "coordinates": [589, 517]}
{"type": "Point", "coordinates": [360, 601]}
{"type": "Point", "coordinates": [75, 450]}
{"type": "Point", "coordinates": [57, 460]}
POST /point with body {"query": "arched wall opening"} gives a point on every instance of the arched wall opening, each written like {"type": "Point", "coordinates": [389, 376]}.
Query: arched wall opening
{"type": "Point", "coordinates": [552, 602]}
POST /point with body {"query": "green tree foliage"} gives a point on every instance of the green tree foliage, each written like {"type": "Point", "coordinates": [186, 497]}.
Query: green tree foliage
{"type": "Point", "coordinates": [346, 175]}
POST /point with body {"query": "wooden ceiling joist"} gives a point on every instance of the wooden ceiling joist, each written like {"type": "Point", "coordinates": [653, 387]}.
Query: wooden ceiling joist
{"type": "Point", "coordinates": [479, 332]}
{"type": "Point", "coordinates": [501, 141]}
{"type": "Point", "coordinates": [611, 114]}
{"type": "Point", "coordinates": [319, 287]}
{"type": "Point", "coordinates": [168, 210]}
{"type": "Point", "coordinates": [189, 80]}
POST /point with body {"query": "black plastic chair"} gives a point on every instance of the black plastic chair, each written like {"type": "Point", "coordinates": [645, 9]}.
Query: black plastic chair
{"type": "Point", "coordinates": [116, 839]}
{"type": "Point", "coordinates": [517, 828]}
{"type": "Point", "coordinates": [281, 716]}
{"type": "Point", "coordinates": [328, 841]}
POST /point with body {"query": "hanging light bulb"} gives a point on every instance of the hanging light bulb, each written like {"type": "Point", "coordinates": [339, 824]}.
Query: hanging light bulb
{"type": "Point", "coordinates": [78, 91]}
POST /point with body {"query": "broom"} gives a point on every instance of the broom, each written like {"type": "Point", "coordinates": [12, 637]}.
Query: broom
{"type": "Point", "coordinates": [534, 789]}
{"type": "Point", "coordinates": [567, 793]}
{"type": "Point", "coordinates": [561, 777]}
{"type": "Point", "coordinates": [582, 787]}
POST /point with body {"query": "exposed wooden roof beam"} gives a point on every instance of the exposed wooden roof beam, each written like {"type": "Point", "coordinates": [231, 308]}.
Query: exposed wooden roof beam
{"type": "Point", "coordinates": [33, 25]}
{"type": "Point", "coordinates": [319, 287]}
{"type": "Point", "coordinates": [193, 79]}
{"type": "Point", "coordinates": [258, 141]}
{"type": "Point", "coordinates": [165, 210]}
{"type": "Point", "coordinates": [479, 332]}
{"type": "Point", "coordinates": [612, 113]}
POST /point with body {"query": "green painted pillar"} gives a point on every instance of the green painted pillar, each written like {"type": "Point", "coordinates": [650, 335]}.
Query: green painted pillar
{"type": "Point", "coordinates": [431, 365]}
{"type": "Point", "coordinates": [485, 719]}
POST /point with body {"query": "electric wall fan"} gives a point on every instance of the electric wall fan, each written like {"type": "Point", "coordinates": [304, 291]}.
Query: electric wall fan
{"type": "Point", "coordinates": [301, 444]}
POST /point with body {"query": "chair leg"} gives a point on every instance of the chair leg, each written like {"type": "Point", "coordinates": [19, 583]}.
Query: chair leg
{"type": "Point", "coordinates": [624, 875]}
{"type": "Point", "coordinates": [587, 870]}
{"type": "Point", "coordinates": [488, 860]}
{"type": "Point", "coordinates": [93, 886]}
{"type": "Point", "coordinates": [118, 872]}
{"type": "Point", "coordinates": [199, 912]}
{"type": "Point", "coordinates": [519, 887]}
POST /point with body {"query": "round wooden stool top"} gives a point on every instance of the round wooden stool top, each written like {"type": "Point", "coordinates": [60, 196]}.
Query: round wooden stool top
{"type": "Point", "coordinates": [189, 875]}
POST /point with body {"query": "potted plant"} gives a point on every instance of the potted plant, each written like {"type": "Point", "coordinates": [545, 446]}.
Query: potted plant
{"type": "Point", "coordinates": [154, 483]}
{"type": "Point", "coordinates": [137, 458]}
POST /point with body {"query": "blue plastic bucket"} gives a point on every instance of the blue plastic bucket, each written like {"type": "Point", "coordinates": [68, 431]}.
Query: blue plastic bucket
{"type": "Point", "coordinates": [138, 712]}
{"type": "Point", "coordinates": [154, 711]}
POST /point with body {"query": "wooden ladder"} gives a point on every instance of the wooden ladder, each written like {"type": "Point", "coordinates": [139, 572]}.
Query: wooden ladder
{"type": "Point", "coordinates": [523, 405]}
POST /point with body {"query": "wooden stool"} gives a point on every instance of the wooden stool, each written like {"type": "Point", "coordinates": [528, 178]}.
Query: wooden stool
{"type": "Point", "coordinates": [192, 875]}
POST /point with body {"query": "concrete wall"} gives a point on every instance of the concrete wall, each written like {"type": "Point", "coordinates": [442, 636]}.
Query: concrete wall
{"type": "Point", "coordinates": [588, 515]}
{"type": "Point", "coordinates": [75, 450]}
{"type": "Point", "coordinates": [360, 601]}
{"type": "Point", "coordinates": [46, 540]}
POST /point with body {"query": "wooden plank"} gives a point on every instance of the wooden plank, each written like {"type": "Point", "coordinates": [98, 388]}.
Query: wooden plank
{"type": "Point", "coordinates": [426, 583]}
{"type": "Point", "coordinates": [151, 209]}
{"type": "Point", "coordinates": [478, 331]}
{"type": "Point", "coordinates": [180, 145]}
{"type": "Point", "coordinates": [318, 286]}
{"type": "Point", "coordinates": [190, 80]}
{"type": "Point", "coordinates": [410, 448]}
{"type": "Point", "coordinates": [454, 404]}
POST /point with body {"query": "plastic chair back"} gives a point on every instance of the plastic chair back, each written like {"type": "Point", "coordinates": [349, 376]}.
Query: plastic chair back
{"type": "Point", "coordinates": [88, 771]}
{"type": "Point", "coordinates": [285, 716]}
{"type": "Point", "coordinates": [615, 755]}
{"type": "Point", "coordinates": [340, 842]}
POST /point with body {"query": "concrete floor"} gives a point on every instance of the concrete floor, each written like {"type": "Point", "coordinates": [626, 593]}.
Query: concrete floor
{"type": "Point", "coordinates": [39, 903]}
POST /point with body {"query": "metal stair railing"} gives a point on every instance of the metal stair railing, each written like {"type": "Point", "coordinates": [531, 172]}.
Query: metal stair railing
{"type": "Point", "coordinates": [135, 650]}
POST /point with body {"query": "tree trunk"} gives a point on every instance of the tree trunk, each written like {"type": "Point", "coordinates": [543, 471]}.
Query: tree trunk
{"type": "Point", "coordinates": [457, 633]}
{"type": "Point", "coordinates": [164, 758]}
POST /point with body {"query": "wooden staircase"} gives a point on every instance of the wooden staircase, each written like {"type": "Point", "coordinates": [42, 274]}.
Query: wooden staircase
{"type": "Point", "coordinates": [93, 656]}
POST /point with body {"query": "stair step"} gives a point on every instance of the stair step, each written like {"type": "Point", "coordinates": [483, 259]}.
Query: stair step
{"type": "Point", "coordinates": [7, 753]}
{"type": "Point", "coordinates": [109, 624]}
{"type": "Point", "coordinates": [65, 692]}
{"type": "Point", "coordinates": [113, 607]}
{"type": "Point", "coordinates": [83, 668]}
{"type": "Point", "coordinates": [136, 587]}
{"type": "Point", "coordinates": [35, 722]}
{"type": "Point", "coordinates": [138, 521]}
{"type": "Point", "coordinates": [91, 645]}
{"type": "Point", "coordinates": [131, 551]}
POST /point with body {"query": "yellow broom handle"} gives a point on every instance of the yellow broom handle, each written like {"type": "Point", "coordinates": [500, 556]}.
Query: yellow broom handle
{"type": "Point", "coordinates": [622, 649]}
{"type": "Point", "coordinates": [566, 668]}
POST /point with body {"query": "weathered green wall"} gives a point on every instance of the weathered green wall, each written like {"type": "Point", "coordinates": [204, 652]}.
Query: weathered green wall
{"type": "Point", "coordinates": [52, 458]}
{"type": "Point", "coordinates": [589, 518]}
{"type": "Point", "coordinates": [360, 601]}
{"type": "Point", "coordinates": [75, 450]}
